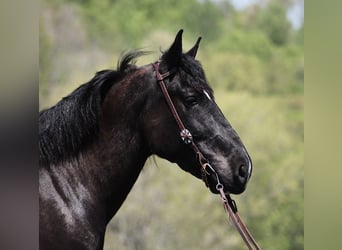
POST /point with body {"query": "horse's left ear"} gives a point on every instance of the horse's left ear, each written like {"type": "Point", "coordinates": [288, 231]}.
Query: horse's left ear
{"type": "Point", "coordinates": [193, 51]}
{"type": "Point", "coordinates": [173, 55]}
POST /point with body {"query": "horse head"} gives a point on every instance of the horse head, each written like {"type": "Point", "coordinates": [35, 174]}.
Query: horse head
{"type": "Point", "coordinates": [211, 132]}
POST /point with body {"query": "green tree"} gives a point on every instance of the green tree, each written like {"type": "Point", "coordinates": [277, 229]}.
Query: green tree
{"type": "Point", "coordinates": [273, 21]}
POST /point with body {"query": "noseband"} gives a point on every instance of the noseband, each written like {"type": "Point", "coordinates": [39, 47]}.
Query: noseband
{"type": "Point", "coordinates": [185, 135]}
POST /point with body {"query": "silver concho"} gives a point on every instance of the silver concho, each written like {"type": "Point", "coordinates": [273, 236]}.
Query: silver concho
{"type": "Point", "coordinates": [186, 136]}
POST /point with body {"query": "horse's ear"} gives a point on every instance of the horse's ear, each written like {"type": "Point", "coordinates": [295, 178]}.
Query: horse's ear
{"type": "Point", "coordinates": [173, 55]}
{"type": "Point", "coordinates": [193, 51]}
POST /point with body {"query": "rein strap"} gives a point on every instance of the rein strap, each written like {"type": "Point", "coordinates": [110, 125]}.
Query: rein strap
{"type": "Point", "coordinates": [231, 209]}
{"type": "Point", "coordinates": [228, 203]}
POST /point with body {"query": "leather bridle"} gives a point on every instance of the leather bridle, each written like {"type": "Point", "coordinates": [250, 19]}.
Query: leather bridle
{"type": "Point", "coordinates": [228, 203]}
{"type": "Point", "coordinates": [185, 134]}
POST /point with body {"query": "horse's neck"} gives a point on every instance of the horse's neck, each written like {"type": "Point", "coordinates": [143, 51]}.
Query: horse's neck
{"type": "Point", "coordinates": [111, 172]}
{"type": "Point", "coordinates": [113, 163]}
{"type": "Point", "coordinates": [120, 152]}
{"type": "Point", "coordinates": [86, 192]}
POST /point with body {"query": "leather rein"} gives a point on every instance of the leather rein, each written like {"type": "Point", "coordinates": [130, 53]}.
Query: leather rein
{"type": "Point", "coordinates": [228, 203]}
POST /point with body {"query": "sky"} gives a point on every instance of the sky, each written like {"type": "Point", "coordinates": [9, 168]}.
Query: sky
{"type": "Point", "coordinates": [241, 4]}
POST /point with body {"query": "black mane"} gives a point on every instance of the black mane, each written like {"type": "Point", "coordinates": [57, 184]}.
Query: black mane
{"type": "Point", "coordinates": [72, 124]}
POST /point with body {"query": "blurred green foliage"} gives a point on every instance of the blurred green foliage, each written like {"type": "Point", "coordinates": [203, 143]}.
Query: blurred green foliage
{"type": "Point", "coordinates": [254, 61]}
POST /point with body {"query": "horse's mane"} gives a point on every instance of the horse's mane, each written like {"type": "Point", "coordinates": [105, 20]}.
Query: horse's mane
{"type": "Point", "coordinates": [72, 124]}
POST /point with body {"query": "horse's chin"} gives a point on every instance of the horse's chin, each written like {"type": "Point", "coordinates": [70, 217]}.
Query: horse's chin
{"type": "Point", "coordinates": [228, 189]}
{"type": "Point", "coordinates": [212, 183]}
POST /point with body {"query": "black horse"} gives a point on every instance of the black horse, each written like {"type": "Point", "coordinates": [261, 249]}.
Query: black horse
{"type": "Point", "coordinates": [95, 141]}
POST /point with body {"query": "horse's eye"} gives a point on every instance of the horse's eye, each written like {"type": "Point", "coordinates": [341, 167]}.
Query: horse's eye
{"type": "Point", "coordinates": [191, 100]}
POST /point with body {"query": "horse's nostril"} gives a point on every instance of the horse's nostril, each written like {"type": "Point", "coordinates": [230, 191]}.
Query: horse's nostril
{"type": "Point", "coordinates": [243, 171]}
